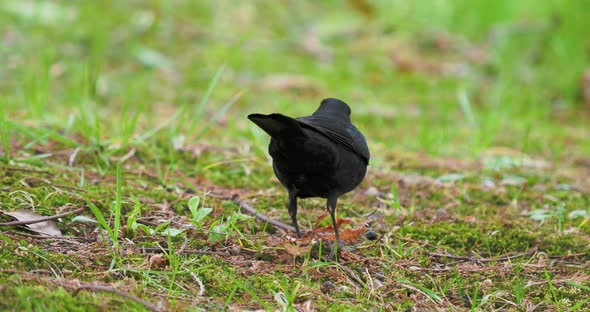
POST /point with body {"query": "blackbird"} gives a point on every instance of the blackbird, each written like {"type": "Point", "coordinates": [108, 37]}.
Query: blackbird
{"type": "Point", "coordinates": [322, 155]}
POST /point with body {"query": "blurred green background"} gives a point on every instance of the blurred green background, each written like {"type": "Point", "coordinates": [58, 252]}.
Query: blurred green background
{"type": "Point", "coordinates": [474, 112]}
{"type": "Point", "coordinates": [446, 78]}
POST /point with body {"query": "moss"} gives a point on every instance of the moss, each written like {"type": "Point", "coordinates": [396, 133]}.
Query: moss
{"type": "Point", "coordinates": [489, 239]}
{"type": "Point", "coordinates": [555, 244]}
{"type": "Point", "coordinates": [34, 297]}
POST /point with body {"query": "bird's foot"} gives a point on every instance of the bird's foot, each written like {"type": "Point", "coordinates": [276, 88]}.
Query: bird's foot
{"type": "Point", "coordinates": [336, 247]}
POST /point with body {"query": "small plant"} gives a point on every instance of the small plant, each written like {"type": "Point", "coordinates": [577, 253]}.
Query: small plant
{"type": "Point", "coordinates": [429, 293]}
{"type": "Point", "coordinates": [288, 294]}
{"type": "Point", "coordinates": [220, 230]}
{"type": "Point", "coordinates": [197, 215]}
{"type": "Point", "coordinates": [393, 199]}
{"type": "Point", "coordinates": [475, 304]}
{"type": "Point", "coordinates": [520, 290]}
{"type": "Point", "coordinates": [256, 244]}
{"type": "Point", "coordinates": [132, 224]}
{"type": "Point", "coordinates": [558, 212]}
{"type": "Point", "coordinates": [115, 210]}
{"type": "Point", "coordinates": [551, 287]}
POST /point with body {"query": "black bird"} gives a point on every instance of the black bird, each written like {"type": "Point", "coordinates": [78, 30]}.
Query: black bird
{"type": "Point", "coordinates": [322, 155]}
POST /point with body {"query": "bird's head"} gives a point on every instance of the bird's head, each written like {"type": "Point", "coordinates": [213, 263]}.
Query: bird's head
{"type": "Point", "coordinates": [333, 107]}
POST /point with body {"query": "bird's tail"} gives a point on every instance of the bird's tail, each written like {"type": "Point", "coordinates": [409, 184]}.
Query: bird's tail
{"type": "Point", "coordinates": [277, 125]}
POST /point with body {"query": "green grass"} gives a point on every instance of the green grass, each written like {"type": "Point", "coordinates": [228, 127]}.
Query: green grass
{"type": "Point", "coordinates": [472, 110]}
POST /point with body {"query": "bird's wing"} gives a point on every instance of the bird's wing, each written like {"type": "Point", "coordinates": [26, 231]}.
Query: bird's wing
{"type": "Point", "coordinates": [342, 133]}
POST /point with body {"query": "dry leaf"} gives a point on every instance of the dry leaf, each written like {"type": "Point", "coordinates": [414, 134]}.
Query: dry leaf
{"type": "Point", "coordinates": [157, 262]}
{"type": "Point", "coordinates": [293, 250]}
{"type": "Point", "coordinates": [47, 228]}
{"type": "Point", "coordinates": [352, 235]}
{"type": "Point", "coordinates": [329, 228]}
{"type": "Point", "coordinates": [347, 235]}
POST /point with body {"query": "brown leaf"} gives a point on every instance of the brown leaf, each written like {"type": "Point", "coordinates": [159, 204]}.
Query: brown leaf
{"type": "Point", "coordinates": [157, 262]}
{"type": "Point", "coordinates": [352, 235]}
{"type": "Point", "coordinates": [329, 228]}
{"type": "Point", "coordinates": [48, 228]}
{"type": "Point", "coordinates": [347, 235]}
{"type": "Point", "coordinates": [293, 250]}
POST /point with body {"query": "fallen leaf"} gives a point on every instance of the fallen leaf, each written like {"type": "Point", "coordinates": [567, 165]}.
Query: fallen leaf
{"type": "Point", "coordinates": [48, 228]}
{"type": "Point", "coordinates": [293, 250]}
{"type": "Point", "coordinates": [157, 262]}
{"type": "Point", "coordinates": [330, 228]}
{"type": "Point", "coordinates": [352, 235]}
{"type": "Point", "coordinates": [349, 236]}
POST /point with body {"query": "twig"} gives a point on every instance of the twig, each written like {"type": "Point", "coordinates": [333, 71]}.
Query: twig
{"type": "Point", "coordinates": [506, 258]}
{"type": "Point", "coordinates": [353, 275]}
{"type": "Point", "coordinates": [182, 248]}
{"type": "Point", "coordinates": [26, 170]}
{"type": "Point", "coordinates": [421, 243]}
{"type": "Point", "coordinates": [158, 250]}
{"type": "Point", "coordinates": [146, 222]}
{"type": "Point", "coordinates": [249, 209]}
{"type": "Point", "coordinates": [127, 156]}
{"type": "Point", "coordinates": [112, 290]}
{"type": "Point", "coordinates": [438, 255]}
{"type": "Point", "coordinates": [73, 156]}
{"type": "Point", "coordinates": [67, 238]}
{"type": "Point", "coordinates": [55, 185]}
{"type": "Point", "coordinates": [575, 255]}
{"type": "Point", "coordinates": [68, 187]}
{"type": "Point", "coordinates": [54, 217]}
{"type": "Point", "coordinates": [145, 173]}
{"type": "Point", "coordinates": [484, 260]}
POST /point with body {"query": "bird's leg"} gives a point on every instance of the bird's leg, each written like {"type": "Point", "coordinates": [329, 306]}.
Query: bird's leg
{"type": "Point", "coordinates": [331, 206]}
{"type": "Point", "coordinates": [292, 208]}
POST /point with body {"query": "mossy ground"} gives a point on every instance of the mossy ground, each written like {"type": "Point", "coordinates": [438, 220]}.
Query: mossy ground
{"type": "Point", "coordinates": [478, 186]}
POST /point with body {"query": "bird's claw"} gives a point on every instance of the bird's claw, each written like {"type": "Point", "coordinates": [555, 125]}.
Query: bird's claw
{"type": "Point", "coordinates": [335, 248]}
